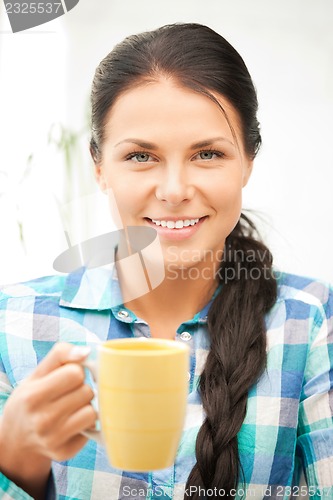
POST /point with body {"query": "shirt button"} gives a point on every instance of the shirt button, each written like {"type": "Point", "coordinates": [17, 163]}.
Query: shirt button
{"type": "Point", "coordinates": [122, 314]}
{"type": "Point", "coordinates": [188, 376]}
{"type": "Point", "coordinates": [185, 336]}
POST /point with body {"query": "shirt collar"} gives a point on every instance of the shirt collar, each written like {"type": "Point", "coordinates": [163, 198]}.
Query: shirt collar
{"type": "Point", "coordinates": [99, 289]}
{"type": "Point", "coordinates": [95, 288]}
{"type": "Point", "coordinates": [202, 316]}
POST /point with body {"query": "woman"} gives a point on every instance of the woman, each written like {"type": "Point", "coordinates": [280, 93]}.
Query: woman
{"type": "Point", "coordinates": [174, 136]}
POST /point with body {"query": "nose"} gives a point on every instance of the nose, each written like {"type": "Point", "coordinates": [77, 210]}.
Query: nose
{"type": "Point", "coordinates": [175, 185]}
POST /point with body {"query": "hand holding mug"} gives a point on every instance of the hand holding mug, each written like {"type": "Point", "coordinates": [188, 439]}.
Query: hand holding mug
{"type": "Point", "coordinates": [43, 418]}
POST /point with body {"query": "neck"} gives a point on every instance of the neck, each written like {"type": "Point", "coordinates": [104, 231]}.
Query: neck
{"type": "Point", "coordinates": [183, 293]}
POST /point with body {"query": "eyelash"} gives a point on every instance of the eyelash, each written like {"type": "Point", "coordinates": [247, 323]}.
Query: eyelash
{"type": "Point", "coordinates": [219, 154]}
{"type": "Point", "coordinates": [135, 153]}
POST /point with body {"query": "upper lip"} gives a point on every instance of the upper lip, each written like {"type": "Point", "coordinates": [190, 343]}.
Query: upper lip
{"type": "Point", "coordinates": [179, 217]}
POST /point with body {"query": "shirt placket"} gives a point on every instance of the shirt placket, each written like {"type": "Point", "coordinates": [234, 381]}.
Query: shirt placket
{"type": "Point", "coordinates": [163, 482]}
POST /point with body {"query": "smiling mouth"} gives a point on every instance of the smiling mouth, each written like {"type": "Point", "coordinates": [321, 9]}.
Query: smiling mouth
{"type": "Point", "coordinates": [175, 224]}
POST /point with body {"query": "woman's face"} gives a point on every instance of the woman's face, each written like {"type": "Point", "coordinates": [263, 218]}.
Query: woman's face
{"type": "Point", "coordinates": [172, 163]}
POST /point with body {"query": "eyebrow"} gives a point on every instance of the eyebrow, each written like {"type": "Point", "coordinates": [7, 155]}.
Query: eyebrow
{"type": "Point", "coordinates": [150, 145]}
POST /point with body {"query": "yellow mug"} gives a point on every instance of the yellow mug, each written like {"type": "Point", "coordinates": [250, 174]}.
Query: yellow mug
{"type": "Point", "coordinates": [142, 395]}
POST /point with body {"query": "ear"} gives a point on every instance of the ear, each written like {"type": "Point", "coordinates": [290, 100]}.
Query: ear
{"type": "Point", "coordinates": [247, 171]}
{"type": "Point", "coordinates": [98, 170]}
{"type": "Point", "coordinates": [100, 177]}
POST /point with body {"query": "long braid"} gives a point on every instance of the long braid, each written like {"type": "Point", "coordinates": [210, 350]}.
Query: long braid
{"type": "Point", "coordinates": [236, 324]}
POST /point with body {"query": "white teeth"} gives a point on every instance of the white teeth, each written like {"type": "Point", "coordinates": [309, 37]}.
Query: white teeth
{"type": "Point", "coordinates": [178, 224]}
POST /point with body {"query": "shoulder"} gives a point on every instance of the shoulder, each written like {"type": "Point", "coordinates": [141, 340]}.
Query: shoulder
{"type": "Point", "coordinates": [302, 288]}
{"type": "Point", "coordinates": [304, 297]}
{"type": "Point", "coordinates": [44, 287]}
{"type": "Point", "coordinates": [301, 317]}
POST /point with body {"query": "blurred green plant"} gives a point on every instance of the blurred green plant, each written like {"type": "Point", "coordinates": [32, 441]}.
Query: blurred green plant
{"type": "Point", "coordinates": [72, 147]}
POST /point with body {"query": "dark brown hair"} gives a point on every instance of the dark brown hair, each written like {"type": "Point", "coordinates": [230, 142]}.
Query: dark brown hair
{"type": "Point", "coordinates": [198, 58]}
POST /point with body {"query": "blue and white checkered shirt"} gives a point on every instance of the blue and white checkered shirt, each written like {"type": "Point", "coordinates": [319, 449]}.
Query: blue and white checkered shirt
{"type": "Point", "coordinates": [288, 425]}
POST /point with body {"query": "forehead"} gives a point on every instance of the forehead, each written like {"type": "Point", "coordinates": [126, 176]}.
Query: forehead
{"type": "Point", "coordinates": [164, 109]}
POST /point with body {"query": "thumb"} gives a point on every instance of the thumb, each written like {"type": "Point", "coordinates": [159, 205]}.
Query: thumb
{"type": "Point", "coordinates": [59, 355]}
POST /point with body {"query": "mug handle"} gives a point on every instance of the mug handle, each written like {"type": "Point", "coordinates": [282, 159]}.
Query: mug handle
{"type": "Point", "coordinates": [95, 435]}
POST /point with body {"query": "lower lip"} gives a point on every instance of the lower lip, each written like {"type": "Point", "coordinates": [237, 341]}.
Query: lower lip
{"type": "Point", "coordinates": [177, 234]}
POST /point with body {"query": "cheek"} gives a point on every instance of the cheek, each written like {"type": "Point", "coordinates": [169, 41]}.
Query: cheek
{"type": "Point", "coordinates": [126, 201]}
{"type": "Point", "coordinates": [121, 199]}
{"type": "Point", "coordinates": [226, 196]}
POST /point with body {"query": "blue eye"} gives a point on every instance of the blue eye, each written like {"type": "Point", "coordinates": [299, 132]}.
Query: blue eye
{"type": "Point", "coordinates": [210, 154]}
{"type": "Point", "coordinates": [140, 157]}
{"type": "Point", "coordinates": [206, 155]}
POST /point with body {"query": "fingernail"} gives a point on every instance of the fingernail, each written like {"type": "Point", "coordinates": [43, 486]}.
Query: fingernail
{"type": "Point", "coordinates": [78, 352]}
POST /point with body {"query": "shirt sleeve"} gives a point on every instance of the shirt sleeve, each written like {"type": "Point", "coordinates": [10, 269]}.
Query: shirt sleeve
{"type": "Point", "coordinates": [8, 489]}
{"type": "Point", "coordinates": [315, 430]}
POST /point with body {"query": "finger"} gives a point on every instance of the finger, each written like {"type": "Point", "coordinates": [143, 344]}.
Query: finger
{"type": "Point", "coordinates": [68, 428]}
{"type": "Point", "coordinates": [64, 407]}
{"type": "Point", "coordinates": [58, 383]}
{"type": "Point", "coordinates": [41, 391]}
{"type": "Point", "coordinates": [59, 355]}
{"type": "Point", "coordinates": [69, 450]}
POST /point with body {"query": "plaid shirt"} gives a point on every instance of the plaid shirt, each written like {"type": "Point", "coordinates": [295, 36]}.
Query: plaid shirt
{"type": "Point", "coordinates": [288, 424]}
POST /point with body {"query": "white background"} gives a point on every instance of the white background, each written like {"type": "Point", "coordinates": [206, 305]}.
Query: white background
{"type": "Point", "coordinates": [46, 74]}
